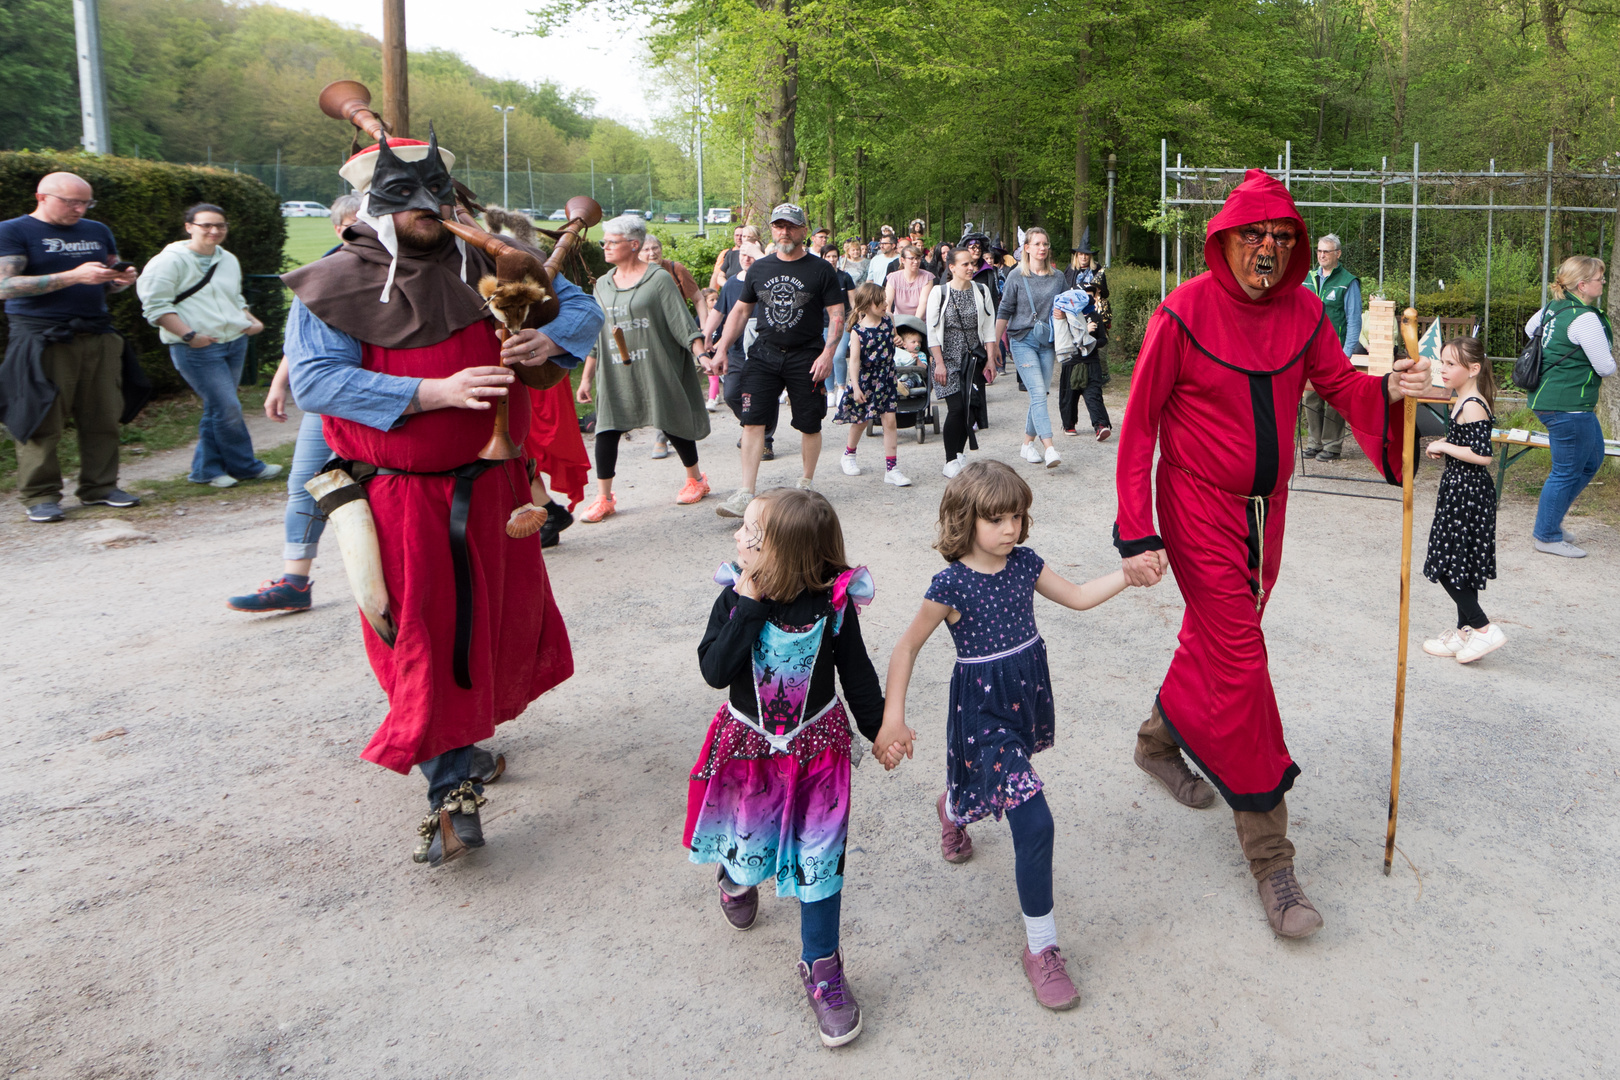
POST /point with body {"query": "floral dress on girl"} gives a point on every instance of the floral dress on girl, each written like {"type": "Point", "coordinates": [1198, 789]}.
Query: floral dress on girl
{"type": "Point", "coordinates": [769, 794]}
{"type": "Point", "coordinates": [1001, 711]}
{"type": "Point", "coordinates": [1462, 539]}
{"type": "Point", "coordinates": [877, 376]}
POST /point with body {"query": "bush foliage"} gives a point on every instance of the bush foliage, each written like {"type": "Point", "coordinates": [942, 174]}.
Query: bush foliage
{"type": "Point", "coordinates": [143, 203]}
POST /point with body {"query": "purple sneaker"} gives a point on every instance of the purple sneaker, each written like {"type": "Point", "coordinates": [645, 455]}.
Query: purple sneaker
{"type": "Point", "coordinates": [954, 842]}
{"type": "Point", "coordinates": [831, 999]}
{"type": "Point", "coordinates": [738, 910]}
{"type": "Point", "coordinates": [1049, 978]}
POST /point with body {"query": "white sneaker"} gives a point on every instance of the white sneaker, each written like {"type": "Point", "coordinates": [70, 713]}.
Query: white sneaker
{"type": "Point", "coordinates": [1052, 457]}
{"type": "Point", "coordinates": [1030, 453]}
{"type": "Point", "coordinates": [847, 463]}
{"type": "Point", "coordinates": [953, 466]}
{"type": "Point", "coordinates": [223, 480]}
{"type": "Point", "coordinates": [805, 483]}
{"type": "Point", "coordinates": [713, 404]}
{"type": "Point", "coordinates": [735, 506]}
{"type": "Point", "coordinates": [782, 398]}
{"type": "Point", "coordinates": [1449, 643]}
{"type": "Point", "coordinates": [1481, 642]}
{"type": "Point", "coordinates": [266, 473]}
{"type": "Point", "coordinates": [895, 477]}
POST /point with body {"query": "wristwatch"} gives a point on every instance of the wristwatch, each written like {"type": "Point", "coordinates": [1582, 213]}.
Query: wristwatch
{"type": "Point", "coordinates": [187, 336]}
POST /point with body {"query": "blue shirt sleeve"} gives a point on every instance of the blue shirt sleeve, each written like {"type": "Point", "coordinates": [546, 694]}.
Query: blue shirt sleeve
{"type": "Point", "coordinates": [324, 369]}
{"type": "Point", "coordinates": [1352, 316]}
{"type": "Point", "coordinates": [577, 323]}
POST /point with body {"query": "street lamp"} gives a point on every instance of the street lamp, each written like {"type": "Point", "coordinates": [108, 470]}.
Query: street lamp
{"type": "Point", "coordinates": [506, 197]}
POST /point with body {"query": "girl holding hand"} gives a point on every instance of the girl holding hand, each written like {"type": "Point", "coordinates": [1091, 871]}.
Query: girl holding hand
{"type": "Point", "coordinates": [1000, 712]}
{"type": "Point", "coordinates": [871, 394]}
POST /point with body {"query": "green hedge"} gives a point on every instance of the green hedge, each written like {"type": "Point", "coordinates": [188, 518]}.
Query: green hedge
{"type": "Point", "coordinates": [143, 203]}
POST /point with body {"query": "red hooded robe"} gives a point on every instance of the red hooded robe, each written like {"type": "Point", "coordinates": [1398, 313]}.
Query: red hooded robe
{"type": "Point", "coordinates": [1217, 386]}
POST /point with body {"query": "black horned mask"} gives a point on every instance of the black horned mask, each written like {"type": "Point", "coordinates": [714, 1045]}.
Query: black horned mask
{"type": "Point", "coordinates": [398, 185]}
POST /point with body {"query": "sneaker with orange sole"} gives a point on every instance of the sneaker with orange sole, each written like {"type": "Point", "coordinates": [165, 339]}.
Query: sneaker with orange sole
{"type": "Point", "coordinates": [693, 490]}
{"type": "Point", "coordinates": [603, 506]}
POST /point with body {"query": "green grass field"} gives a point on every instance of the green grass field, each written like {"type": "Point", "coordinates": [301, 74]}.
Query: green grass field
{"type": "Point", "coordinates": [308, 238]}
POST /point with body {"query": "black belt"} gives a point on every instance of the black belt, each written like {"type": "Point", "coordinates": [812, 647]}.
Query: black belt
{"type": "Point", "coordinates": [460, 503]}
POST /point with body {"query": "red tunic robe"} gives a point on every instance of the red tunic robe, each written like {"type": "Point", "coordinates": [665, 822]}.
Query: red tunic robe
{"type": "Point", "coordinates": [554, 441]}
{"type": "Point", "coordinates": [519, 643]}
{"type": "Point", "coordinates": [1217, 386]}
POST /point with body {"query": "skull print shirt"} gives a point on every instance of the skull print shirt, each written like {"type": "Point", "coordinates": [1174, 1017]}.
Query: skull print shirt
{"type": "Point", "coordinates": [789, 298]}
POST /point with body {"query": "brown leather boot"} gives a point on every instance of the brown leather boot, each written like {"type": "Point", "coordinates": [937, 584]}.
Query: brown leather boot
{"type": "Point", "coordinates": [1287, 910]}
{"type": "Point", "coordinates": [1158, 755]}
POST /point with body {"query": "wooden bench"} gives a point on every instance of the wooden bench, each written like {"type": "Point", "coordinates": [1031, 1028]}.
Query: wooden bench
{"type": "Point", "coordinates": [1528, 441]}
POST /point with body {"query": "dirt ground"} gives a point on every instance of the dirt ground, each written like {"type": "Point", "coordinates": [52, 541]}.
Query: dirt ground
{"type": "Point", "coordinates": [226, 890]}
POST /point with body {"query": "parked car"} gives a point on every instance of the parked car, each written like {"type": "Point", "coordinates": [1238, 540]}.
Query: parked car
{"type": "Point", "coordinates": [531, 213]}
{"type": "Point", "coordinates": [557, 215]}
{"type": "Point", "coordinates": [670, 219]}
{"type": "Point", "coordinates": [719, 215]}
{"type": "Point", "coordinates": [304, 209]}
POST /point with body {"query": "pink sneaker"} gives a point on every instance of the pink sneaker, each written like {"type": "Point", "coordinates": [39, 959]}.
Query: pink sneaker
{"type": "Point", "coordinates": [1049, 978]}
{"type": "Point", "coordinates": [954, 842]}
{"type": "Point", "coordinates": [603, 506]}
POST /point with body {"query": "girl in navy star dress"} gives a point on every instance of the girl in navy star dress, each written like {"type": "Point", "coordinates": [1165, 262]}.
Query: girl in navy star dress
{"type": "Point", "coordinates": [1001, 692]}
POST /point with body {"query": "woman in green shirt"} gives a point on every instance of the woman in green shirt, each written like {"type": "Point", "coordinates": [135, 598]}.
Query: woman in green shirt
{"type": "Point", "coordinates": [1577, 346]}
{"type": "Point", "coordinates": [660, 387]}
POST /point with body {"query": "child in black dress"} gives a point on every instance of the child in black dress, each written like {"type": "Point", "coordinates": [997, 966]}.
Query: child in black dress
{"type": "Point", "coordinates": [1462, 540]}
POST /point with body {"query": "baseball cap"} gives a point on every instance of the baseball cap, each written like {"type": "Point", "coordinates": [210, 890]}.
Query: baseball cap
{"type": "Point", "coordinates": [788, 212]}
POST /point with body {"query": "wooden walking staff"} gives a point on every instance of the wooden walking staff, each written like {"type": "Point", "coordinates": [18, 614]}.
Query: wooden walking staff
{"type": "Point", "coordinates": [1409, 336]}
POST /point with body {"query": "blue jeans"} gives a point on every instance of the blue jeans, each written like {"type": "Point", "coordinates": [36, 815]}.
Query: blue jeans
{"type": "Point", "coordinates": [303, 525]}
{"type": "Point", "coordinates": [840, 371]}
{"type": "Point", "coordinates": [223, 442]}
{"type": "Point", "coordinates": [1034, 364]}
{"type": "Point", "coordinates": [1577, 452]}
{"type": "Point", "coordinates": [446, 772]}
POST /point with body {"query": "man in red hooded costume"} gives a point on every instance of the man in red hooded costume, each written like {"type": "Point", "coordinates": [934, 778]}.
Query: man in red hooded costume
{"type": "Point", "coordinates": [1217, 387]}
{"type": "Point", "coordinates": [389, 340]}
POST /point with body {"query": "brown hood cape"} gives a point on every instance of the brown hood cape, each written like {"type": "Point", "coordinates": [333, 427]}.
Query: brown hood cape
{"type": "Point", "coordinates": [429, 300]}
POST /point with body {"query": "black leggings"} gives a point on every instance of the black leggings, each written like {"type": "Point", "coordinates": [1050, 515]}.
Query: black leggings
{"type": "Point", "coordinates": [1032, 832]}
{"type": "Point", "coordinates": [1469, 613]}
{"type": "Point", "coordinates": [607, 452]}
{"type": "Point", "coordinates": [956, 426]}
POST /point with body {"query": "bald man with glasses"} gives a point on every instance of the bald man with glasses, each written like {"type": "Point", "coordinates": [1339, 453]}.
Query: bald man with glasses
{"type": "Point", "coordinates": [63, 357]}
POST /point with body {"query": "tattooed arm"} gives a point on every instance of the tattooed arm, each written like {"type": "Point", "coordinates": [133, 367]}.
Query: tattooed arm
{"type": "Point", "coordinates": [14, 285]}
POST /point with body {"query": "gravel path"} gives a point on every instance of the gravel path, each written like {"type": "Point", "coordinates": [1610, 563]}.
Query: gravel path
{"type": "Point", "coordinates": [225, 890]}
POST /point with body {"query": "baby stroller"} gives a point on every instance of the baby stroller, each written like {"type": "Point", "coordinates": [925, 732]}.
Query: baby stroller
{"type": "Point", "coordinates": [914, 406]}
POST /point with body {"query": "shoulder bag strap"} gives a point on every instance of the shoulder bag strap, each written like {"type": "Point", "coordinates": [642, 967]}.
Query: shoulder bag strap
{"type": "Point", "coordinates": [201, 285]}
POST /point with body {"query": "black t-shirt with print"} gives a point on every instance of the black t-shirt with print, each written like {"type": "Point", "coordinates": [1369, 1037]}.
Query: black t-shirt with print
{"type": "Point", "coordinates": [790, 298]}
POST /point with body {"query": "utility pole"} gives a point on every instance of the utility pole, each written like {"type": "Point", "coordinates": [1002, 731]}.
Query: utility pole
{"type": "Point", "coordinates": [396, 88]}
{"type": "Point", "coordinates": [697, 112]}
{"type": "Point", "coordinates": [92, 89]}
{"type": "Point", "coordinates": [506, 188]}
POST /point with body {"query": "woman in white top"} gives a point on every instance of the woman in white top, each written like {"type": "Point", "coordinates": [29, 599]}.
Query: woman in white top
{"type": "Point", "coordinates": [961, 321]}
{"type": "Point", "coordinates": [192, 292]}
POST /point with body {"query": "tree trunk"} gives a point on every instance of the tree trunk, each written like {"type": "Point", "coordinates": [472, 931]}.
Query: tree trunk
{"type": "Point", "coordinates": [776, 152]}
{"type": "Point", "coordinates": [860, 192]}
{"type": "Point", "coordinates": [1608, 409]}
{"type": "Point", "coordinates": [1081, 213]}
{"type": "Point", "coordinates": [1403, 76]}
{"type": "Point", "coordinates": [832, 172]}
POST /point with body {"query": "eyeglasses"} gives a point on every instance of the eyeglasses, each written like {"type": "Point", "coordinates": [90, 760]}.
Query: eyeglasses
{"type": "Point", "coordinates": [1254, 237]}
{"type": "Point", "coordinates": [615, 240]}
{"type": "Point", "coordinates": [82, 204]}
{"type": "Point", "coordinates": [209, 226]}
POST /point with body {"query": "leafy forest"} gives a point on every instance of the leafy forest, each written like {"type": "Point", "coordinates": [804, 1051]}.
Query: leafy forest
{"type": "Point", "coordinates": [875, 110]}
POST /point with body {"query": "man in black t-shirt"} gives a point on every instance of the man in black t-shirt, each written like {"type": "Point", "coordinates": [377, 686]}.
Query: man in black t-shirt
{"type": "Point", "coordinates": [791, 289]}
{"type": "Point", "coordinates": [63, 358]}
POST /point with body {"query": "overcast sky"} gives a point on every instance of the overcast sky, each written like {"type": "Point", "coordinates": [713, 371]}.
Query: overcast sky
{"type": "Point", "coordinates": [576, 58]}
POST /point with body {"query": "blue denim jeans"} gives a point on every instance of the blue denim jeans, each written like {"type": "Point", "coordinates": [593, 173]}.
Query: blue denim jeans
{"type": "Point", "coordinates": [223, 442]}
{"type": "Point", "coordinates": [1034, 364]}
{"type": "Point", "coordinates": [1577, 452]}
{"type": "Point", "coordinates": [840, 371]}
{"type": "Point", "coordinates": [446, 772]}
{"type": "Point", "coordinates": [303, 525]}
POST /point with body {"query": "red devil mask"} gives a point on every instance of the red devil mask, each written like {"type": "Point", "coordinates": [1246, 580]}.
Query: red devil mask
{"type": "Point", "coordinates": [1252, 243]}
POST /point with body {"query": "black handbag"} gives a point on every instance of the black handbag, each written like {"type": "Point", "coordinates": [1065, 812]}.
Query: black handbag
{"type": "Point", "coordinates": [1527, 368]}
